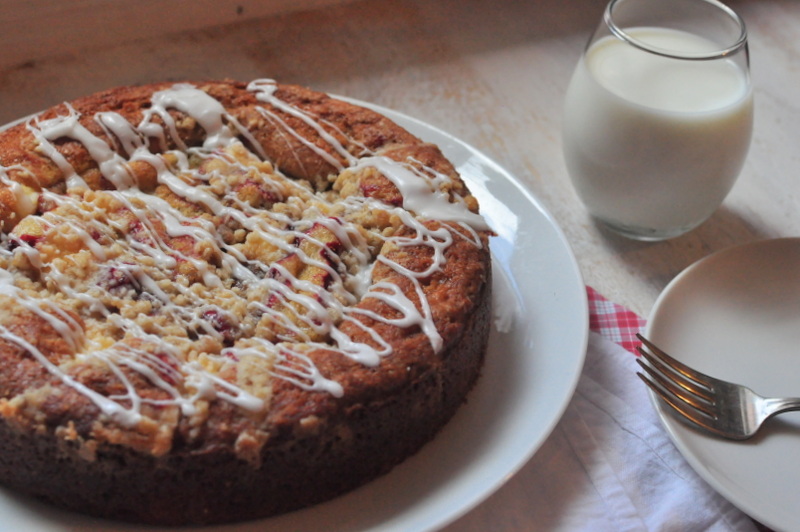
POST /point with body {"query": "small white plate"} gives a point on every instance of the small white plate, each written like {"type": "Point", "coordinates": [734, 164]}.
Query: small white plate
{"type": "Point", "coordinates": [535, 358]}
{"type": "Point", "coordinates": [736, 315]}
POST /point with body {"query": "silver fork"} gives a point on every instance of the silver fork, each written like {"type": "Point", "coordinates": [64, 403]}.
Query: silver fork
{"type": "Point", "coordinates": [723, 408]}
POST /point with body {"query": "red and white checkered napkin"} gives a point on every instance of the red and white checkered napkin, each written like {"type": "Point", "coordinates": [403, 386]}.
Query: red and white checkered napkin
{"type": "Point", "coordinates": [613, 321]}
{"type": "Point", "coordinates": [609, 465]}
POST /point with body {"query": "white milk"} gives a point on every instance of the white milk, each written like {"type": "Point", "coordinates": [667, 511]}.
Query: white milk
{"type": "Point", "coordinates": [652, 142]}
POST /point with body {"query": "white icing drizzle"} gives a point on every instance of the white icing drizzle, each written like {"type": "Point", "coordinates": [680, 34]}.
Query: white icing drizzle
{"type": "Point", "coordinates": [420, 194]}
{"type": "Point", "coordinates": [265, 92]}
{"type": "Point", "coordinates": [73, 180]}
{"type": "Point", "coordinates": [392, 295]}
{"type": "Point", "coordinates": [25, 199]}
{"type": "Point", "coordinates": [297, 310]}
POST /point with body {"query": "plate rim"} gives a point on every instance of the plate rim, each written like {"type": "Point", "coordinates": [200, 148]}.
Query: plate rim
{"type": "Point", "coordinates": [677, 430]}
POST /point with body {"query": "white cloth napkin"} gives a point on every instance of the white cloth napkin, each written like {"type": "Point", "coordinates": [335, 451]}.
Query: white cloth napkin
{"type": "Point", "coordinates": [609, 466]}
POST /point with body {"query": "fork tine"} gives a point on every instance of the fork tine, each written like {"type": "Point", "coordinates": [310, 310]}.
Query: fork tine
{"type": "Point", "coordinates": [677, 391]}
{"type": "Point", "coordinates": [676, 377]}
{"type": "Point", "coordinates": [687, 413]}
{"type": "Point", "coordinates": [683, 369]}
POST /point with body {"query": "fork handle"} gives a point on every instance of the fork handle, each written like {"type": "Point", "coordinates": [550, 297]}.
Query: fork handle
{"type": "Point", "coordinates": [777, 405]}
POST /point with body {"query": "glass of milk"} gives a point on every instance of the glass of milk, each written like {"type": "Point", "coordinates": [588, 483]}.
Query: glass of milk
{"type": "Point", "coordinates": [658, 115]}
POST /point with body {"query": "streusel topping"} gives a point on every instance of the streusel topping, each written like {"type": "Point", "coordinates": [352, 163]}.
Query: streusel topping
{"type": "Point", "coordinates": [203, 272]}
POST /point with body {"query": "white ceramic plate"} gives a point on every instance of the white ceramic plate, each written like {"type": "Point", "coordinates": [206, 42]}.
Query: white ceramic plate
{"type": "Point", "coordinates": [531, 372]}
{"type": "Point", "coordinates": [736, 315]}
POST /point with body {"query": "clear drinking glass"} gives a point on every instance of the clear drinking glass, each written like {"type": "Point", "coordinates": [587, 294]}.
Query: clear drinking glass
{"type": "Point", "coordinates": [659, 114]}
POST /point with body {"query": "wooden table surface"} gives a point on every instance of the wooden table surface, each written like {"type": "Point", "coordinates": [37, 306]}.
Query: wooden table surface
{"type": "Point", "coordinates": [492, 73]}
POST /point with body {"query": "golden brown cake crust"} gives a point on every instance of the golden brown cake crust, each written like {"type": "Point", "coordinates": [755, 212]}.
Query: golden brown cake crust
{"type": "Point", "coordinates": [212, 312]}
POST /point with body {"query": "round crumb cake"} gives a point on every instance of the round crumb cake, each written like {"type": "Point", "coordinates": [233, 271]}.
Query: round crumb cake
{"type": "Point", "coordinates": [222, 301]}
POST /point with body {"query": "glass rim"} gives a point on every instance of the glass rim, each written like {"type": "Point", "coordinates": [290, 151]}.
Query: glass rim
{"type": "Point", "coordinates": [738, 44]}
